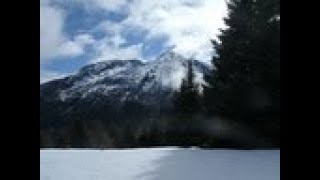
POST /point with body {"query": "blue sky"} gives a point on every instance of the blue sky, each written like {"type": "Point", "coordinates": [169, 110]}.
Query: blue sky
{"type": "Point", "coordinates": [74, 33]}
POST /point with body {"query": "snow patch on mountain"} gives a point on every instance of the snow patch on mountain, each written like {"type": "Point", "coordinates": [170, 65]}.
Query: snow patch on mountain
{"type": "Point", "coordinates": [131, 79]}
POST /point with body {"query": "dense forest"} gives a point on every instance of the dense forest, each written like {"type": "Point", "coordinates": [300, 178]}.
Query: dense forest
{"type": "Point", "coordinates": [239, 107]}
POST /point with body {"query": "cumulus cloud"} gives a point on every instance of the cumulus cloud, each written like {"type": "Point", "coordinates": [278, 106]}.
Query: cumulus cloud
{"type": "Point", "coordinates": [109, 51]}
{"type": "Point", "coordinates": [188, 24]}
{"type": "Point", "coordinates": [84, 39]}
{"type": "Point", "coordinates": [53, 41]}
{"type": "Point", "coordinates": [112, 45]}
{"type": "Point", "coordinates": [91, 5]}
{"type": "Point", "coordinates": [51, 36]}
{"type": "Point", "coordinates": [111, 5]}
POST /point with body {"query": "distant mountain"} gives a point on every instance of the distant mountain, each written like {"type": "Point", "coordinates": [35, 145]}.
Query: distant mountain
{"type": "Point", "coordinates": [113, 88]}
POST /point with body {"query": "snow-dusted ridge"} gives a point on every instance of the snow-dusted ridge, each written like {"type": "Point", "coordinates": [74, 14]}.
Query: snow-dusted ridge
{"type": "Point", "coordinates": [126, 79]}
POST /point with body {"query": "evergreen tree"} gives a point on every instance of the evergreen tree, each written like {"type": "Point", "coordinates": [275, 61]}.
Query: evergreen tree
{"type": "Point", "coordinates": [248, 55]}
{"type": "Point", "coordinates": [245, 82]}
{"type": "Point", "coordinates": [187, 99]}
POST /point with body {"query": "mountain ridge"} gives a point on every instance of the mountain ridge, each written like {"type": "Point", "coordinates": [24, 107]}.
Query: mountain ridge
{"type": "Point", "coordinates": [166, 72]}
{"type": "Point", "coordinates": [115, 90]}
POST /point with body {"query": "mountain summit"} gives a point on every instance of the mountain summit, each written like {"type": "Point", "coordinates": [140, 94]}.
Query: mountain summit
{"type": "Point", "coordinates": [111, 88]}
{"type": "Point", "coordinates": [123, 79]}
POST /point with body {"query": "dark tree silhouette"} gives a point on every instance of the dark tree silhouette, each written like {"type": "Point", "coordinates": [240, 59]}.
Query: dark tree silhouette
{"type": "Point", "coordinates": [78, 134]}
{"type": "Point", "coordinates": [187, 100]}
{"type": "Point", "coordinates": [245, 82]}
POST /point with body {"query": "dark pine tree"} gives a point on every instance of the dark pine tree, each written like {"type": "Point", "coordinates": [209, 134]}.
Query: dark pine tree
{"type": "Point", "coordinates": [230, 77]}
{"type": "Point", "coordinates": [187, 99]}
{"type": "Point", "coordinates": [245, 82]}
{"type": "Point", "coordinates": [187, 105]}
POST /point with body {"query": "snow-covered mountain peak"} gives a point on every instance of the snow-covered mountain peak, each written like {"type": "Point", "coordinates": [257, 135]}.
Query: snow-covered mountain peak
{"type": "Point", "coordinates": [128, 79]}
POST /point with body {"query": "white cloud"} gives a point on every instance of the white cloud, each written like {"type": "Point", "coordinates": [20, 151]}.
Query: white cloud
{"type": "Point", "coordinates": [110, 47]}
{"type": "Point", "coordinates": [92, 5]}
{"type": "Point", "coordinates": [114, 31]}
{"type": "Point", "coordinates": [69, 48]}
{"type": "Point", "coordinates": [109, 51]}
{"type": "Point", "coordinates": [84, 39]}
{"type": "Point", "coordinates": [51, 36]}
{"type": "Point", "coordinates": [53, 41]}
{"type": "Point", "coordinates": [189, 27]}
{"type": "Point", "coordinates": [188, 24]}
{"type": "Point", "coordinates": [111, 5]}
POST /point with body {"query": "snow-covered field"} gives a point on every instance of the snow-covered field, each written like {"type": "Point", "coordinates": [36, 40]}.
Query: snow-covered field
{"type": "Point", "coordinates": [160, 164]}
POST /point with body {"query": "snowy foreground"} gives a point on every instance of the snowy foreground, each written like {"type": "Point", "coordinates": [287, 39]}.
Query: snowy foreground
{"type": "Point", "coordinates": [159, 164]}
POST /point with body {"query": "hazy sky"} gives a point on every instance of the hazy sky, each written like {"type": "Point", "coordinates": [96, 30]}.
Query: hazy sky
{"type": "Point", "coordinates": [77, 32]}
